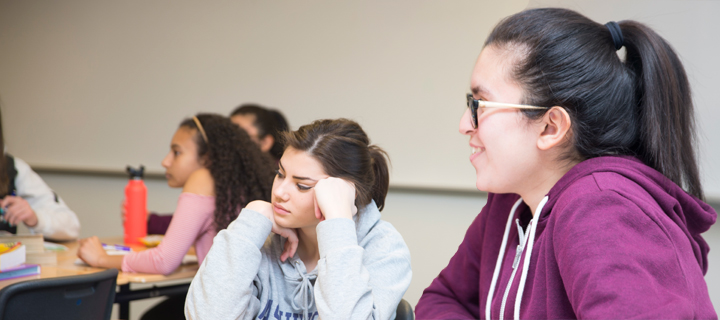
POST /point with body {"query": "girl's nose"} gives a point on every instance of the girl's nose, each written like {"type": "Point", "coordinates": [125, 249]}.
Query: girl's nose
{"type": "Point", "coordinates": [466, 126]}
{"type": "Point", "coordinates": [167, 161]}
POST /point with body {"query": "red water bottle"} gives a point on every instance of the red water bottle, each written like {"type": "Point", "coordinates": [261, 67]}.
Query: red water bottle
{"type": "Point", "coordinates": [135, 207]}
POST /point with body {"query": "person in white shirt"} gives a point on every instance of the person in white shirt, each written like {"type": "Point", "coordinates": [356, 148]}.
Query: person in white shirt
{"type": "Point", "coordinates": [26, 198]}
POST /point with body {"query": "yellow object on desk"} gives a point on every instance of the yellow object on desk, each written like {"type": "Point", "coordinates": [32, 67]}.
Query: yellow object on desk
{"type": "Point", "coordinates": [152, 240]}
{"type": "Point", "coordinates": [8, 246]}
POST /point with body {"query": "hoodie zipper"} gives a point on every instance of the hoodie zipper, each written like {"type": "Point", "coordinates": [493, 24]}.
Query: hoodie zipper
{"type": "Point", "coordinates": [527, 239]}
{"type": "Point", "coordinates": [518, 255]}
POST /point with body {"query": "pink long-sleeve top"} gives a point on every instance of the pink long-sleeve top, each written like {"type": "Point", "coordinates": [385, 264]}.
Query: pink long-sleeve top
{"type": "Point", "coordinates": [191, 223]}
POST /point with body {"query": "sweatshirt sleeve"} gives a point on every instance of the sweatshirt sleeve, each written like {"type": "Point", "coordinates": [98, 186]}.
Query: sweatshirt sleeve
{"type": "Point", "coordinates": [55, 220]}
{"type": "Point", "coordinates": [454, 294]}
{"type": "Point", "coordinates": [356, 282]}
{"type": "Point", "coordinates": [193, 214]}
{"type": "Point", "coordinates": [616, 261]}
{"type": "Point", "coordinates": [224, 286]}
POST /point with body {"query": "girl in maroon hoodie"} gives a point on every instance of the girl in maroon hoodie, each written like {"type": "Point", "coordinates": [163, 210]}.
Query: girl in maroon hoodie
{"type": "Point", "coordinates": [595, 205]}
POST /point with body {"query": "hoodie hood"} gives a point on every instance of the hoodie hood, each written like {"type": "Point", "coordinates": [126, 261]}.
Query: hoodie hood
{"type": "Point", "coordinates": [691, 214]}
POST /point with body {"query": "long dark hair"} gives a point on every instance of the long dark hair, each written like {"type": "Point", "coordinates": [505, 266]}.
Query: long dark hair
{"type": "Point", "coordinates": [268, 122]}
{"type": "Point", "coordinates": [344, 151]}
{"type": "Point", "coordinates": [640, 106]}
{"type": "Point", "coordinates": [241, 172]}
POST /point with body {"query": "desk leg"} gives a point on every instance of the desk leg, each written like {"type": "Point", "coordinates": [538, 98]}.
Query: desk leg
{"type": "Point", "coordinates": [124, 306]}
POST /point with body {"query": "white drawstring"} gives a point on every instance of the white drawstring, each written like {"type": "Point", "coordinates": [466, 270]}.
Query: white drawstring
{"type": "Point", "coordinates": [302, 297]}
{"type": "Point", "coordinates": [498, 264]}
{"type": "Point", "coordinates": [527, 240]}
{"type": "Point", "coordinates": [518, 254]}
{"type": "Point", "coordinates": [526, 264]}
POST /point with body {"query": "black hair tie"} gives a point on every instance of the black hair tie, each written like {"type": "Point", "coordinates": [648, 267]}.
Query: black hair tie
{"type": "Point", "coordinates": [616, 33]}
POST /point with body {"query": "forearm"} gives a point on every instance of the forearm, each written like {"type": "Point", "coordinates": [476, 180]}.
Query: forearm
{"type": "Point", "coordinates": [439, 302]}
{"type": "Point", "coordinates": [355, 282]}
{"type": "Point", "coordinates": [56, 222]}
{"type": "Point", "coordinates": [223, 287]}
{"type": "Point", "coordinates": [454, 294]}
{"type": "Point", "coordinates": [191, 217]}
{"type": "Point", "coordinates": [108, 261]}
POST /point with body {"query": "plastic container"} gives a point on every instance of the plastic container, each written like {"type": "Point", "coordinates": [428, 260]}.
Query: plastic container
{"type": "Point", "coordinates": [135, 207]}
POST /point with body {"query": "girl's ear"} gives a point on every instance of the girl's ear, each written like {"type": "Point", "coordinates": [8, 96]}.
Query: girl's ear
{"type": "Point", "coordinates": [556, 129]}
{"type": "Point", "coordinates": [204, 161]}
{"type": "Point", "coordinates": [266, 143]}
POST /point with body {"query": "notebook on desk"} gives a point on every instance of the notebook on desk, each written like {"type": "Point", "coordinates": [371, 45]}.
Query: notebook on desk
{"type": "Point", "coordinates": [20, 271]}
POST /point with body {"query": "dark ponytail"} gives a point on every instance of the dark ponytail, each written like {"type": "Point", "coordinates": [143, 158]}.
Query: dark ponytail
{"type": "Point", "coordinates": [667, 125]}
{"type": "Point", "coordinates": [640, 107]}
{"type": "Point", "coordinates": [344, 151]}
{"type": "Point", "coordinates": [268, 122]}
{"type": "Point", "coordinates": [280, 126]}
{"type": "Point", "coordinates": [382, 175]}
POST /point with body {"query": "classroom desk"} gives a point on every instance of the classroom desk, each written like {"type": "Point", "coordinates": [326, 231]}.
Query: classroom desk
{"type": "Point", "coordinates": [66, 267]}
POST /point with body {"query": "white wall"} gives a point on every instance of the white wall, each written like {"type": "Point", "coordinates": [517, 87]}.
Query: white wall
{"type": "Point", "coordinates": [83, 82]}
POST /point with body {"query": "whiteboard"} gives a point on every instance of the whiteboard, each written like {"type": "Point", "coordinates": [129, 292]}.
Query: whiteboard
{"type": "Point", "coordinates": [100, 85]}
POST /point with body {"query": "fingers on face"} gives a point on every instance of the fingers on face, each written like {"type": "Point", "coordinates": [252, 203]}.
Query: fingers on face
{"type": "Point", "coordinates": [291, 244]}
{"type": "Point", "coordinates": [318, 213]}
{"type": "Point", "coordinates": [287, 252]}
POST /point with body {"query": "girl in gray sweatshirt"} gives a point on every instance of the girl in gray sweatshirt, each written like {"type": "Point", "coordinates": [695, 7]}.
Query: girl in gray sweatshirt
{"type": "Point", "coordinates": [310, 254]}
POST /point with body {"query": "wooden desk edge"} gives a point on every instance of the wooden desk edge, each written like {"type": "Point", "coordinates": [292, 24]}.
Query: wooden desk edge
{"type": "Point", "coordinates": [66, 267]}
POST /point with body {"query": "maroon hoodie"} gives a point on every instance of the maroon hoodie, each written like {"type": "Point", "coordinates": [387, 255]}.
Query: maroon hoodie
{"type": "Point", "coordinates": [615, 239]}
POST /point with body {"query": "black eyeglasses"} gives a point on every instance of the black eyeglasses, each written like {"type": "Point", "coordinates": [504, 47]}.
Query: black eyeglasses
{"type": "Point", "coordinates": [474, 105]}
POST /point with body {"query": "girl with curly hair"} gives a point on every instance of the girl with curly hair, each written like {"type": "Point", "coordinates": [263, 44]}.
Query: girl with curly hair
{"type": "Point", "coordinates": [265, 127]}
{"type": "Point", "coordinates": [220, 170]}
{"type": "Point", "coordinates": [329, 256]}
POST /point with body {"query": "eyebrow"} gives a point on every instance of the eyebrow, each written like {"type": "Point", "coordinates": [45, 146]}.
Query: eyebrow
{"type": "Point", "coordinates": [295, 177]}
{"type": "Point", "coordinates": [479, 91]}
{"type": "Point", "coordinates": [303, 178]}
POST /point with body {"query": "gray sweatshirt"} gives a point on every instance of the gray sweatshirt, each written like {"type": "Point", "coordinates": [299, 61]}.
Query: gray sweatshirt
{"type": "Point", "coordinates": [363, 272]}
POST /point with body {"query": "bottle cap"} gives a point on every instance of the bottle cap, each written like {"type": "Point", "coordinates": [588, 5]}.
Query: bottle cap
{"type": "Point", "coordinates": [135, 173]}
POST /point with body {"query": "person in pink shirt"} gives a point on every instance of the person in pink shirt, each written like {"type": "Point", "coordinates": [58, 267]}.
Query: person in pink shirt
{"type": "Point", "coordinates": [264, 126]}
{"type": "Point", "coordinates": [220, 170]}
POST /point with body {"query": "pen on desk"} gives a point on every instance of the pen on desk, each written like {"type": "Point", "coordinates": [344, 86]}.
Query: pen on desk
{"type": "Point", "coordinates": [116, 247]}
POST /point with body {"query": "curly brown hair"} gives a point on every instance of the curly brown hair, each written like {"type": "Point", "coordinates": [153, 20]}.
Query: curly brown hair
{"type": "Point", "coordinates": [240, 171]}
